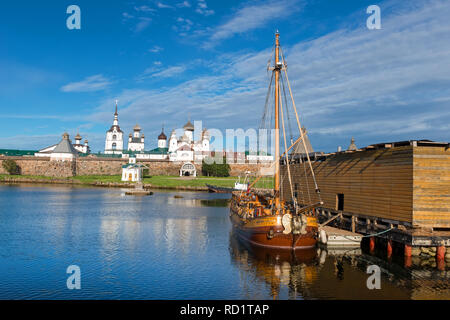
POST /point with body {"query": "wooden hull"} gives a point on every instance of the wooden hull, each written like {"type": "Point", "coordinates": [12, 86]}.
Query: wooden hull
{"type": "Point", "coordinates": [257, 232]}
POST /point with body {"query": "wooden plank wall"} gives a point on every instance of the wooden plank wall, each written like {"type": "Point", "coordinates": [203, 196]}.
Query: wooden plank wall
{"type": "Point", "coordinates": [432, 187]}
{"type": "Point", "coordinates": [375, 183]}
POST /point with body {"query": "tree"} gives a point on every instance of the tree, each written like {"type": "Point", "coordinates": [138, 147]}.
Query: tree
{"type": "Point", "coordinates": [10, 166]}
{"type": "Point", "coordinates": [212, 168]}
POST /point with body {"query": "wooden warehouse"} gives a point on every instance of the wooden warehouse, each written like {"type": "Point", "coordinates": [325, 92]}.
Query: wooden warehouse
{"type": "Point", "coordinates": [402, 185]}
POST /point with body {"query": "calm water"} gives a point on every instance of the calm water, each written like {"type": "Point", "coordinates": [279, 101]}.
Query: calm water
{"type": "Point", "coordinates": [162, 247]}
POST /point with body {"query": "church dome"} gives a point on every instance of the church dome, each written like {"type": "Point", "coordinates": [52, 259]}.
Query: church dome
{"type": "Point", "coordinates": [137, 128]}
{"type": "Point", "coordinates": [352, 146]}
{"type": "Point", "coordinates": [78, 137]}
{"type": "Point", "coordinates": [162, 136]}
{"type": "Point", "coordinates": [189, 126]}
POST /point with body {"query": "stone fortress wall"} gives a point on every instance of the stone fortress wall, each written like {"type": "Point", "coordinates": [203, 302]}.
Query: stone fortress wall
{"type": "Point", "coordinates": [42, 166]}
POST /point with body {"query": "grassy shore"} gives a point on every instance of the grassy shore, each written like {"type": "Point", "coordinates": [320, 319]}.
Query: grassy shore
{"type": "Point", "coordinates": [171, 182]}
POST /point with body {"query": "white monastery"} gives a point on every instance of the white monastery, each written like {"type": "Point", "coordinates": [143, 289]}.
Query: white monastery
{"type": "Point", "coordinates": [182, 148]}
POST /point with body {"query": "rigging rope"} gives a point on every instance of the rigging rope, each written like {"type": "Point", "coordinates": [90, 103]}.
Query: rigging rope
{"type": "Point", "coordinates": [266, 104]}
{"type": "Point", "coordinates": [301, 131]}
{"type": "Point", "coordinates": [291, 136]}
{"type": "Point", "coordinates": [286, 154]}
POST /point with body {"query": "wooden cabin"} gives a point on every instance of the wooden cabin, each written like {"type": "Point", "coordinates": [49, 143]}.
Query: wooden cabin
{"type": "Point", "coordinates": [405, 183]}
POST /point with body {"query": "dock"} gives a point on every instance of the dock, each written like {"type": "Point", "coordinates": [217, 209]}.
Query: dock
{"type": "Point", "coordinates": [135, 192]}
{"type": "Point", "coordinates": [139, 190]}
{"type": "Point", "coordinates": [339, 238]}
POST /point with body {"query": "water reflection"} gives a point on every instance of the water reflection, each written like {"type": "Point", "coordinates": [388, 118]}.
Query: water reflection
{"type": "Point", "coordinates": [277, 268]}
{"type": "Point", "coordinates": [333, 274]}
{"type": "Point", "coordinates": [162, 247]}
{"type": "Point", "coordinates": [221, 203]}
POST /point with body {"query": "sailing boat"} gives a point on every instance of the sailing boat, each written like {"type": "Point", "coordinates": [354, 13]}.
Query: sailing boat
{"type": "Point", "coordinates": [266, 219]}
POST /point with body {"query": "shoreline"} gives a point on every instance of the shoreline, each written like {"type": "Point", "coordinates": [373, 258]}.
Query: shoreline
{"type": "Point", "coordinates": [7, 180]}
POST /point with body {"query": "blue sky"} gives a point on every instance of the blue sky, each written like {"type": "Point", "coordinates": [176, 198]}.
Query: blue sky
{"type": "Point", "coordinates": [165, 60]}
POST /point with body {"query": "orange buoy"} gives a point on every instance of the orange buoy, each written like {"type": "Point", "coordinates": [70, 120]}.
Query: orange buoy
{"type": "Point", "coordinates": [408, 261]}
{"type": "Point", "coordinates": [389, 248]}
{"type": "Point", "coordinates": [372, 243]}
{"type": "Point", "coordinates": [408, 250]}
{"type": "Point", "coordinates": [440, 264]}
{"type": "Point", "coordinates": [440, 252]}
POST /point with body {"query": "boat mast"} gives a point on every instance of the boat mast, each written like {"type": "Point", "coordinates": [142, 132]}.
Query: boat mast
{"type": "Point", "coordinates": [277, 70]}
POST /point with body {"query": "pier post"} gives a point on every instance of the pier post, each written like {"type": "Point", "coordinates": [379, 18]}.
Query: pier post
{"type": "Point", "coordinates": [408, 250]}
{"type": "Point", "coordinates": [372, 244]}
{"type": "Point", "coordinates": [440, 252]}
{"type": "Point", "coordinates": [389, 248]}
{"type": "Point", "coordinates": [408, 261]}
{"type": "Point", "coordinates": [440, 256]}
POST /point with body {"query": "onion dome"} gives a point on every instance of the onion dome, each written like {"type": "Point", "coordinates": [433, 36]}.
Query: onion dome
{"type": "Point", "coordinates": [189, 126]}
{"type": "Point", "coordinates": [78, 137]}
{"type": "Point", "coordinates": [352, 146]}
{"type": "Point", "coordinates": [117, 128]}
{"type": "Point", "coordinates": [162, 136]}
{"type": "Point", "coordinates": [137, 128]}
{"type": "Point", "coordinates": [205, 133]}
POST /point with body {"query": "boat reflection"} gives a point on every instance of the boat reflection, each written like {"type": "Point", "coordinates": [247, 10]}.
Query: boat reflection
{"type": "Point", "coordinates": [326, 273]}
{"type": "Point", "coordinates": [282, 269]}
{"type": "Point", "coordinates": [195, 203]}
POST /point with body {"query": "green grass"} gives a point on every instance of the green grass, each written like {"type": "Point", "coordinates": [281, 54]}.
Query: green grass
{"type": "Point", "coordinates": [94, 178]}
{"type": "Point", "coordinates": [159, 181]}
{"type": "Point", "coordinates": [18, 176]}
{"type": "Point", "coordinates": [173, 181]}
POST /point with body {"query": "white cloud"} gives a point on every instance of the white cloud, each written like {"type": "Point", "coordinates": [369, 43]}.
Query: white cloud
{"type": "Point", "coordinates": [377, 85]}
{"type": "Point", "coordinates": [155, 49]}
{"type": "Point", "coordinates": [144, 9]}
{"type": "Point", "coordinates": [163, 6]}
{"type": "Point", "coordinates": [183, 26]}
{"type": "Point", "coordinates": [143, 23]}
{"type": "Point", "coordinates": [93, 83]}
{"type": "Point", "coordinates": [184, 4]}
{"type": "Point", "coordinates": [252, 17]}
{"type": "Point", "coordinates": [169, 72]}
{"type": "Point", "coordinates": [156, 71]}
{"type": "Point", "coordinates": [127, 16]}
{"type": "Point", "coordinates": [202, 8]}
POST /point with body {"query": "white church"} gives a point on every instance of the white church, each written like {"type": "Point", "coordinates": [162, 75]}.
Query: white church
{"type": "Point", "coordinates": [136, 140]}
{"type": "Point", "coordinates": [114, 137]}
{"type": "Point", "coordinates": [183, 148]}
